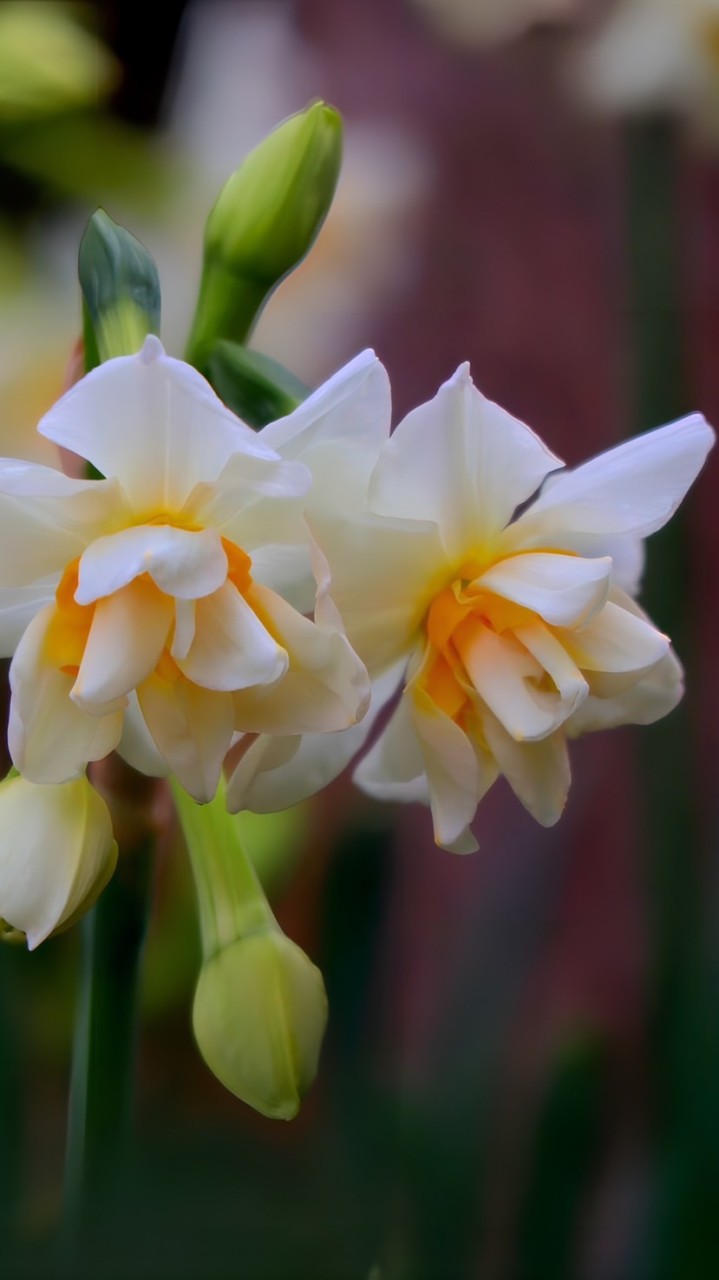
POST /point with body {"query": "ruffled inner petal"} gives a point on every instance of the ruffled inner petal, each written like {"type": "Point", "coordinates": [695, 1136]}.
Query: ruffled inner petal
{"type": "Point", "coordinates": [184, 563]}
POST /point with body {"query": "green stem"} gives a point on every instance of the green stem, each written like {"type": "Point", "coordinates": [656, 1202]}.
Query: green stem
{"type": "Point", "coordinates": [230, 898]}
{"type": "Point", "coordinates": [101, 1088]}
{"type": "Point", "coordinates": [683, 1033]}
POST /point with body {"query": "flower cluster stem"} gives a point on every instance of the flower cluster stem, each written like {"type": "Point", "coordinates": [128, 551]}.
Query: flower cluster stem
{"type": "Point", "coordinates": [104, 1051]}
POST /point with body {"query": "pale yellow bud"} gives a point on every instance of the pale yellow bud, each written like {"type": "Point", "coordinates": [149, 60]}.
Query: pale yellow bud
{"type": "Point", "coordinates": [259, 1016]}
{"type": "Point", "coordinates": [57, 853]}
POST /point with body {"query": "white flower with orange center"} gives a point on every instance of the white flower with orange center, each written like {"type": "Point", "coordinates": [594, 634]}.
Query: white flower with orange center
{"type": "Point", "coordinates": [492, 587]}
{"type": "Point", "coordinates": [153, 605]}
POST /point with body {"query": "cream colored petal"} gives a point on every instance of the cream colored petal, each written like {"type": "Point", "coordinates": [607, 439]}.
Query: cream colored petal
{"type": "Point", "coordinates": [457, 775]}
{"type": "Point", "coordinates": [509, 681]}
{"type": "Point", "coordinates": [191, 728]}
{"type": "Point", "coordinates": [155, 424]}
{"type": "Point", "coordinates": [616, 640]}
{"type": "Point", "coordinates": [127, 635]}
{"type": "Point", "coordinates": [276, 772]}
{"type": "Point", "coordinates": [57, 853]}
{"type": "Point", "coordinates": [537, 772]}
{"type": "Point", "coordinates": [51, 739]}
{"type": "Point", "coordinates": [325, 688]}
{"type": "Point", "coordinates": [553, 657]}
{"type": "Point", "coordinates": [463, 463]}
{"type": "Point", "coordinates": [181, 562]}
{"type": "Point", "coordinates": [338, 433]}
{"type": "Point", "coordinates": [49, 519]}
{"type": "Point", "coordinates": [564, 590]}
{"type": "Point", "coordinates": [384, 574]}
{"type": "Point", "coordinates": [18, 607]}
{"type": "Point", "coordinates": [394, 769]}
{"type": "Point", "coordinates": [136, 746]}
{"type": "Point", "coordinates": [651, 697]}
{"type": "Point", "coordinates": [631, 489]}
{"type": "Point", "coordinates": [232, 649]}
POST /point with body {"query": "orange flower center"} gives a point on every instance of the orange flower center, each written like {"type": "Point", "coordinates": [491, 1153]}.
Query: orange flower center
{"type": "Point", "coordinates": [70, 623]}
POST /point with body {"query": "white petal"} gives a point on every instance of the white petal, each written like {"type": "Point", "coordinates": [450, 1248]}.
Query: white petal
{"type": "Point", "coordinates": [616, 640]}
{"type": "Point", "coordinates": [137, 746]}
{"type": "Point", "coordinates": [127, 636]}
{"type": "Point", "coordinates": [49, 518]}
{"type": "Point", "coordinates": [537, 772]}
{"type": "Point", "coordinates": [634, 488]}
{"type": "Point", "coordinates": [287, 570]}
{"type": "Point", "coordinates": [338, 433]}
{"type": "Point", "coordinates": [384, 575]}
{"type": "Point", "coordinates": [18, 607]}
{"type": "Point", "coordinates": [154, 423]}
{"type": "Point", "coordinates": [50, 738]}
{"type": "Point", "coordinates": [192, 730]}
{"type": "Point", "coordinates": [185, 626]}
{"type": "Point", "coordinates": [252, 504]}
{"type": "Point", "coordinates": [394, 767]}
{"type": "Point", "coordinates": [507, 678]}
{"type": "Point", "coordinates": [553, 657]}
{"type": "Point", "coordinates": [56, 854]}
{"type": "Point", "coordinates": [182, 562]}
{"type": "Point", "coordinates": [462, 462]}
{"type": "Point", "coordinates": [650, 698]}
{"type": "Point", "coordinates": [455, 776]}
{"type": "Point", "coordinates": [564, 590]}
{"type": "Point", "coordinates": [325, 688]}
{"type": "Point", "coordinates": [276, 772]}
{"type": "Point", "coordinates": [232, 649]}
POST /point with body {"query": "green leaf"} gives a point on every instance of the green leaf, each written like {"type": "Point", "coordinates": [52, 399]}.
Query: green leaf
{"type": "Point", "coordinates": [256, 388]}
{"type": "Point", "coordinates": [121, 290]}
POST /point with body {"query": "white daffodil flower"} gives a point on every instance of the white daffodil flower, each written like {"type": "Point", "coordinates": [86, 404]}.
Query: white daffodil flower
{"type": "Point", "coordinates": [650, 54]}
{"type": "Point", "coordinates": [167, 586]}
{"type": "Point", "coordinates": [507, 633]}
{"type": "Point", "coordinates": [57, 853]}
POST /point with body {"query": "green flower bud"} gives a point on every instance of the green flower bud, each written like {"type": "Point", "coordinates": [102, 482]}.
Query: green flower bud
{"type": "Point", "coordinates": [120, 290]}
{"type": "Point", "coordinates": [263, 223]}
{"type": "Point", "coordinates": [260, 1007]}
{"type": "Point", "coordinates": [259, 1017]}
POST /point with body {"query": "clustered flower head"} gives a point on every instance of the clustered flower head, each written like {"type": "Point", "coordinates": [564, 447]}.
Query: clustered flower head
{"type": "Point", "coordinates": [161, 611]}
{"type": "Point", "coordinates": [448, 593]}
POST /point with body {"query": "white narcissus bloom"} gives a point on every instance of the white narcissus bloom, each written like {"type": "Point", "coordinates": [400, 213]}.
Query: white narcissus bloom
{"type": "Point", "coordinates": [503, 616]}
{"type": "Point", "coordinates": [655, 54]}
{"type": "Point", "coordinates": [57, 853]}
{"type": "Point", "coordinates": [161, 589]}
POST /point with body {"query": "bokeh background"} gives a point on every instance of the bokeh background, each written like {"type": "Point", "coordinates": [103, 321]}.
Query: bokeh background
{"type": "Point", "coordinates": [520, 1079]}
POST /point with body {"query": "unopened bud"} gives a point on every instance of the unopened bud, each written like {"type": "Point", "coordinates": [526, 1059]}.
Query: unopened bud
{"type": "Point", "coordinates": [57, 853]}
{"type": "Point", "coordinates": [259, 1017]}
{"type": "Point", "coordinates": [263, 223]}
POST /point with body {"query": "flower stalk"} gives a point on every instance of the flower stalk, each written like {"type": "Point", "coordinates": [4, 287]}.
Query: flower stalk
{"type": "Point", "coordinates": [104, 1050]}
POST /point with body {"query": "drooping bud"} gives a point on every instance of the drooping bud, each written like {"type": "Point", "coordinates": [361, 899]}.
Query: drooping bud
{"type": "Point", "coordinates": [57, 853]}
{"type": "Point", "coordinates": [263, 223]}
{"type": "Point", "coordinates": [259, 1016]}
{"type": "Point", "coordinates": [260, 1007]}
